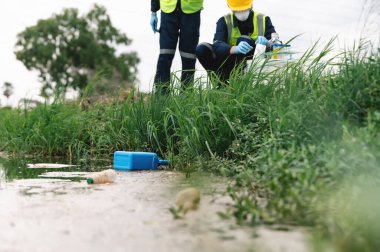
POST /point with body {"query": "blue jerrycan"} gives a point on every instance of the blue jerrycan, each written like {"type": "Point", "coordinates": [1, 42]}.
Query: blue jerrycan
{"type": "Point", "coordinates": [131, 161]}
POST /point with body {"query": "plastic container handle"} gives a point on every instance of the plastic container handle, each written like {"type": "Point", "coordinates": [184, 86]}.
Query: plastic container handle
{"type": "Point", "coordinates": [163, 162]}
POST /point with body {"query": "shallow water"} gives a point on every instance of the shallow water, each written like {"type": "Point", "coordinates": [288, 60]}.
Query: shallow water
{"type": "Point", "coordinates": [52, 212]}
{"type": "Point", "coordinates": [16, 168]}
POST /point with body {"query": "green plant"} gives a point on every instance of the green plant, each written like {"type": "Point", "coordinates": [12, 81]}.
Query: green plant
{"type": "Point", "coordinates": [294, 137]}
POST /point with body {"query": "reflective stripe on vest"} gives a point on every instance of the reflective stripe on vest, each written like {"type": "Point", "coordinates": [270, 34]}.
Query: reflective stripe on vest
{"type": "Point", "coordinates": [234, 32]}
{"type": "Point", "coordinates": [187, 6]}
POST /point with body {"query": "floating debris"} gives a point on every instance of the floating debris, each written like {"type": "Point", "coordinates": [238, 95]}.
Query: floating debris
{"type": "Point", "coordinates": [49, 166]}
{"type": "Point", "coordinates": [64, 175]}
{"type": "Point", "coordinates": [103, 177]}
{"type": "Point", "coordinates": [188, 199]}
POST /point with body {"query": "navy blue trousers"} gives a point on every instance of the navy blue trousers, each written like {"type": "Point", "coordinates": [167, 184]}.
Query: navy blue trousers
{"type": "Point", "coordinates": [222, 66]}
{"type": "Point", "coordinates": [185, 28]}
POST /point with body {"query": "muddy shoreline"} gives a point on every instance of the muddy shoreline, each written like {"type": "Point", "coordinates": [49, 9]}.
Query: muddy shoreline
{"type": "Point", "coordinates": [54, 213]}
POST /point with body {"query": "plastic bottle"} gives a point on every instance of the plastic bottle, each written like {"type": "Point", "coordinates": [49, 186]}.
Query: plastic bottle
{"type": "Point", "coordinates": [260, 50]}
{"type": "Point", "coordinates": [103, 177]}
{"type": "Point", "coordinates": [130, 161]}
{"type": "Point", "coordinates": [276, 45]}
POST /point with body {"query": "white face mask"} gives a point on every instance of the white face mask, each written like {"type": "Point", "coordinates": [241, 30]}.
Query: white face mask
{"type": "Point", "coordinates": [242, 15]}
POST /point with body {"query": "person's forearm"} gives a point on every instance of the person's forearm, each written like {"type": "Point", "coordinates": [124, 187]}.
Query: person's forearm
{"type": "Point", "coordinates": [222, 49]}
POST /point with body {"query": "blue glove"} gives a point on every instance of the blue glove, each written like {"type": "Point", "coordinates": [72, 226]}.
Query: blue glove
{"type": "Point", "coordinates": [242, 48]}
{"type": "Point", "coordinates": [154, 21]}
{"type": "Point", "coordinates": [261, 40]}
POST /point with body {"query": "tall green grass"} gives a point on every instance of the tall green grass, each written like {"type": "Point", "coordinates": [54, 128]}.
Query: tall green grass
{"type": "Point", "coordinates": [288, 104]}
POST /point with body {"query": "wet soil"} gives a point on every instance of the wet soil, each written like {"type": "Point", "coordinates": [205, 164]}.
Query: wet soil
{"type": "Point", "coordinates": [59, 211]}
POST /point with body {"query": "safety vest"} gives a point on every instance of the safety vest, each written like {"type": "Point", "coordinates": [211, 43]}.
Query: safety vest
{"type": "Point", "coordinates": [188, 6]}
{"type": "Point", "coordinates": [234, 32]}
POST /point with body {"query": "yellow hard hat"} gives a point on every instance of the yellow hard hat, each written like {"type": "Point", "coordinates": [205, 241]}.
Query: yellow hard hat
{"type": "Point", "coordinates": [239, 5]}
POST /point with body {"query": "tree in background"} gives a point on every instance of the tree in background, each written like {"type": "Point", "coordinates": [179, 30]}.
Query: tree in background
{"type": "Point", "coordinates": [68, 50]}
{"type": "Point", "coordinates": [8, 90]}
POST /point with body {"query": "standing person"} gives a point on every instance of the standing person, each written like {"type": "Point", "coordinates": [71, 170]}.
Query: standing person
{"type": "Point", "coordinates": [180, 19]}
{"type": "Point", "coordinates": [235, 39]}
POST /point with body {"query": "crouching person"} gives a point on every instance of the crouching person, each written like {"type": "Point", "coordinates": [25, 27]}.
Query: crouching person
{"type": "Point", "coordinates": [235, 39]}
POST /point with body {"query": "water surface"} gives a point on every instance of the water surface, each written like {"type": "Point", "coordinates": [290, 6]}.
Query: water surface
{"type": "Point", "coordinates": [48, 211]}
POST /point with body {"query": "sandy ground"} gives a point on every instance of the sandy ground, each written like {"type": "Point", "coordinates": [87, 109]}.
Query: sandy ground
{"type": "Point", "coordinates": [130, 215]}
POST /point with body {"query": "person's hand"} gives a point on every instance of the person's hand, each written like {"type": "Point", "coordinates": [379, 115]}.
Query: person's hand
{"type": "Point", "coordinates": [242, 48]}
{"type": "Point", "coordinates": [154, 21]}
{"type": "Point", "coordinates": [261, 40]}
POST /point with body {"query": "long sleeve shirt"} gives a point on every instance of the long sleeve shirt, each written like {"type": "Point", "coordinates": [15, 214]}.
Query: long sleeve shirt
{"type": "Point", "coordinates": [155, 5]}
{"type": "Point", "coordinates": [221, 46]}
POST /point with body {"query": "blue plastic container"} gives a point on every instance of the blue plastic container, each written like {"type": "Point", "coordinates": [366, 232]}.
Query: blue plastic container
{"type": "Point", "coordinates": [131, 161]}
